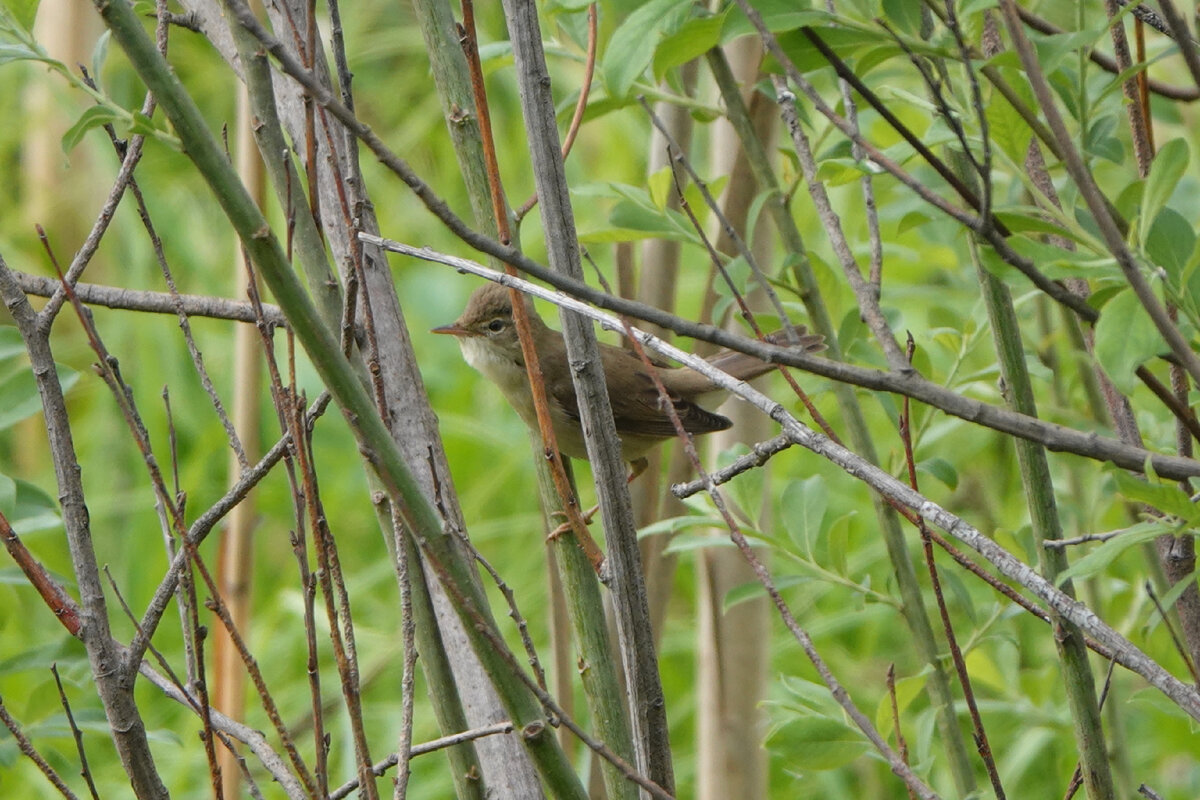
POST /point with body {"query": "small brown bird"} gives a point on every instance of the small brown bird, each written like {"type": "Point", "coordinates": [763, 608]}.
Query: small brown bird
{"type": "Point", "coordinates": [488, 338]}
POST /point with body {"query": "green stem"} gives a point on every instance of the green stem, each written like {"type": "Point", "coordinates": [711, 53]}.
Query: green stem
{"type": "Point", "coordinates": [373, 437]}
{"type": "Point", "coordinates": [913, 607]}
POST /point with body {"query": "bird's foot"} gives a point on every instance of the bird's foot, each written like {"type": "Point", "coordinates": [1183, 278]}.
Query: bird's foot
{"type": "Point", "coordinates": [586, 518]}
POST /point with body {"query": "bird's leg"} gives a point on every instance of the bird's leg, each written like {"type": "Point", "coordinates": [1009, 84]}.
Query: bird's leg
{"type": "Point", "coordinates": [586, 543]}
{"type": "Point", "coordinates": [636, 468]}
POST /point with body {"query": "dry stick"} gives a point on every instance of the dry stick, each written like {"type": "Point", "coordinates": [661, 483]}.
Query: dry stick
{"type": "Point", "coordinates": [403, 566]}
{"type": "Point", "coordinates": [270, 760]}
{"type": "Point", "coordinates": [1108, 63]}
{"type": "Point", "coordinates": [308, 580]}
{"type": "Point", "coordinates": [127, 728]}
{"type": "Point", "coordinates": [1124, 651]}
{"type": "Point", "coordinates": [875, 274]}
{"type": "Point", "coordinates": [1175, 640]}
{"type": "Point", "coordinates": [1054, 437]}
{"type": "Point", "coordinates": [585, 88]}
{"type": "Point", "coordinates": [646, 702]}
{"type": "Point", "coordinates": [567, 497]}
{"type": "Point", "coordinates": [935, 582]}
{"type": "Point", "coordinates": [901, 744]}
{"type": "Point", "coordinates": [53, 595]}
{"type": "Point", "coordinates": [337, 611]}
{"type": "Point", "coordinates": [510, 598]}
{"type": "Point", "coordinates": [898, 764]}
{"type": "Point", "coordinates": [68, 612]}
{"type": "Point", "coordinates": [544, 697]}
{"type": "Point", "coordinates": [431, 746]}
{"type": "Point", "coordinates": [1183, 37]}
{"type": "Point", "coordinates": [76, 734]}
{"type": "Point", "coordinates": [217, 605]}
{"type": "Point", "coordinates": [26, 747]}
{"type": "Point", "coordinates": [760, 453]}
{"type": "Point", "coordinates": [727, 228]}
{"type": "Point", "coordinates": [866, 293]}
{"type": "Point", "coordinates": [718, 259]}
{"type": "Point", "coordinates": [123, 393]}
{"type": "Point", "coordinates": [231, 434]}
{"type": "Point", "coordinates": [193, 305]}
{"type": "Point", "coordinates": [154, 652]}
{"type": "Point", "coordinates": [1094, 198]}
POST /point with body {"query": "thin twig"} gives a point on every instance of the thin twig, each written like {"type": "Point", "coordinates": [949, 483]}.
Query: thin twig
{"type": "Point", "coordinates": [26, 747]}
{"type": "Point", "coordinates": [76, 734]}
{"type": "Point", "coordinates": [960, 665]}
{"type": "Point", "coordinates": [193, 305]}
{"type": "Point", "coordinates": [1054, 437]}
{"type": "Point", "coordinates": [431, 746]}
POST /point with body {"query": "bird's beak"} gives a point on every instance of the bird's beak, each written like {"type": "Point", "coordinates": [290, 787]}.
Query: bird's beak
{"type": "Point", "coordinates": [454, 329]}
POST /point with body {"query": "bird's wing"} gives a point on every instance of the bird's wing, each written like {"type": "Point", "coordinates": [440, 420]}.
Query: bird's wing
{"type": "Point", "coordinates": [639, 410]}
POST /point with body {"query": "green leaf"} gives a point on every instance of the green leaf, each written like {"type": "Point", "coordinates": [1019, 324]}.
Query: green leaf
{"type": "Point", "coordinates": [778, 15]}
{"type": "Point", "coordinates": [11, 343]}
{"type": "Point", "coordinates": [1008, 128]}
{"type": "Point", "coordinates": [1171, 242]}
{"type": "Point", "coordinates": [632, 46]}
{"type": "Point", "coordinates": [8, 496]}
{"type": "Point", "coordinates": [912, 220]}
{"type": "Point", "coordinates": [752, 590]}
{"type": "Point", "coordinates": [33, 509]}
{"type": "Point", "coordinates": [15, 51]}
{"type": "Point", "coordinates": [1169, 165]}
{"type": "Point", "coordinates": [819, 743]}
{"type": "Point", "coordinates": [941, 469]}
{"type": "Point", "coordinates": [19, 396]}
{"type": "Point", "coordinates": [1028, 219]}
{"type": "Point", "coordinates": [666, 223]}
{"type": "Point", "coordinates": [803, 509]}
{"type": "Point", "coordinates": [1103, 556]}
{"type": "Point", "coordinates": [688, 542]}
{"type": "Point", "coordinates": [676, 524]}
{"type": "Point", "coordinates": [1169, 599]}
{"type": "Point", "coordinates": [1051, 50]}
{"type": "Point", "coordinates": [100, 54]}
{"type": "Point", "coordinates": [23, 12]}
{"type": "Point", "coordinates": [903, 15]}
{"type": "Point", "coordinates": [93, 117]}
{"type": "Point", "coordinates": [1166, 497]}
{"type": "Point", "coordinates": [1125, 339]}
{"type": "Point", "coordinates": [661, 184]}
{"type": "Point", "coordinates": [840, 171]}
{"type": "Point", "coordinates": [693, 39]}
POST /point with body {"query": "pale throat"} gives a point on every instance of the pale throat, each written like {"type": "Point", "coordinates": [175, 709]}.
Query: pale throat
{"type": "Point", "coordinates": [513, 382]}
{"type": "Point", "coordinates": [501, 370]}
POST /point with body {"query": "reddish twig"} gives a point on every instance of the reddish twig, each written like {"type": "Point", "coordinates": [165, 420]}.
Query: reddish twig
{"type": "Point", "coordinates": [960, 664]}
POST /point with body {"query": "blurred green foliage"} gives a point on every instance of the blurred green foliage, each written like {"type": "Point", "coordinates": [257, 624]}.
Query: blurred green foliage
{"type": "Point", "coordinates": [820, 534]}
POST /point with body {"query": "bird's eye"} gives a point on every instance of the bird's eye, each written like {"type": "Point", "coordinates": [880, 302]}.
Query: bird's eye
{"type": "Point", "coordinates": [496, 325]}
